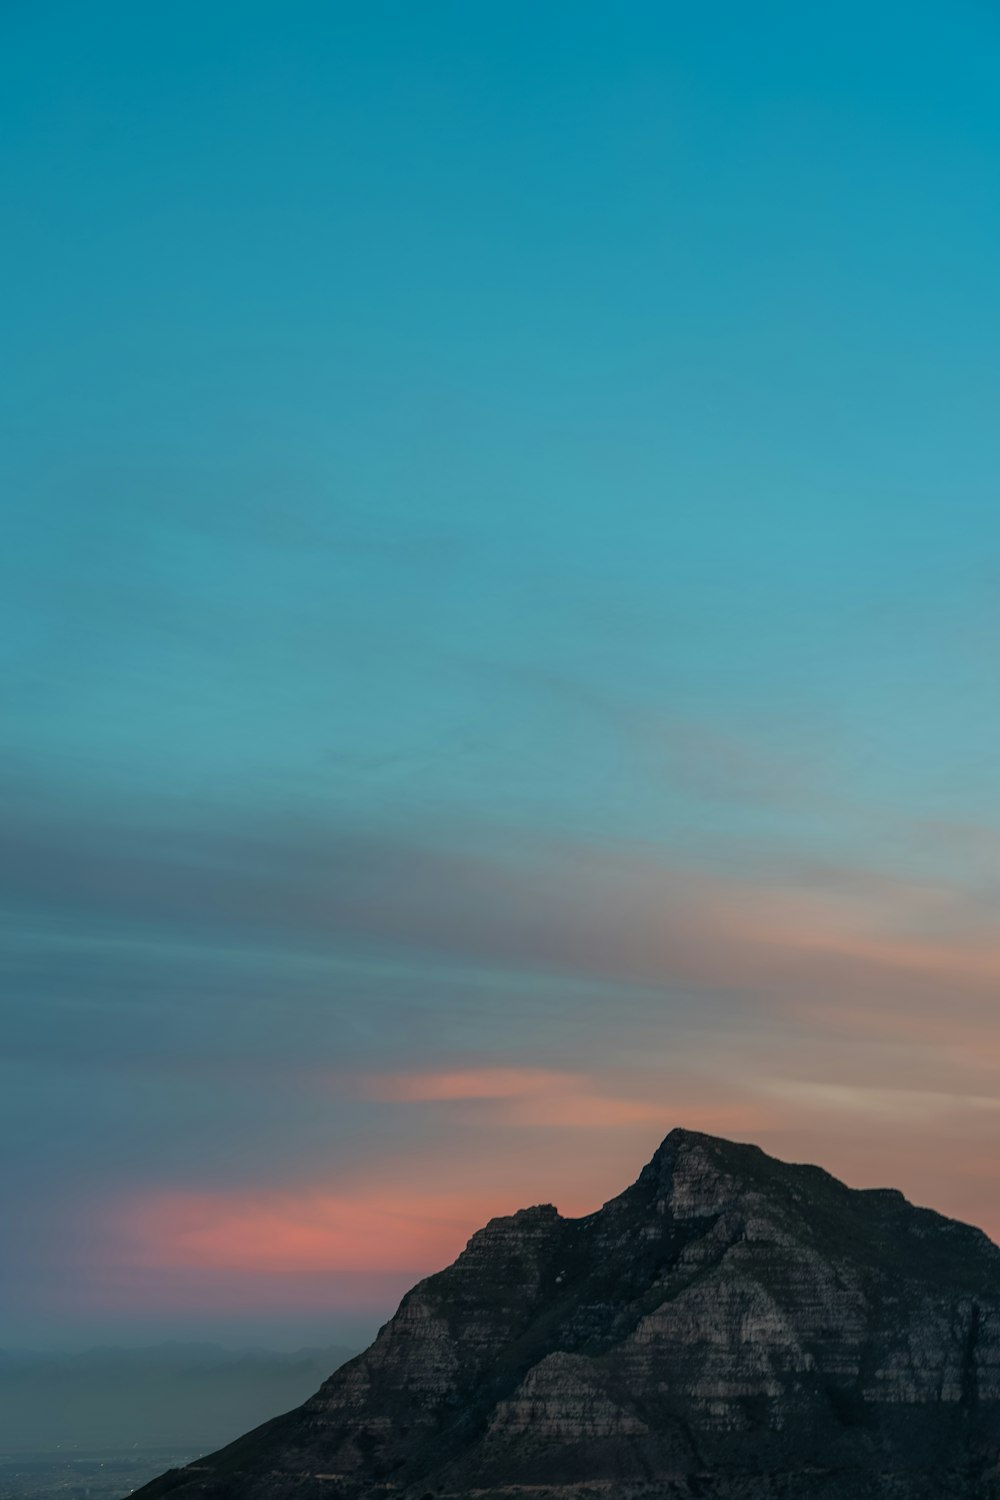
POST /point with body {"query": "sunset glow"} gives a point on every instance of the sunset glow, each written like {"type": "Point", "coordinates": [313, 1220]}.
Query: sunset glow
{"type": "Point", "coordinates": [499, 613]}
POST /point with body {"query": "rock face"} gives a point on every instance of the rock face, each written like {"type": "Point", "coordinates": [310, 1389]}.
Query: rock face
{"type": "Point", "coordinates": [730, 1327]}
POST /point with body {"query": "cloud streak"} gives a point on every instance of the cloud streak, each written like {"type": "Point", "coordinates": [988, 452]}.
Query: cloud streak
{"type": "Point", "coordinates": [474, 895]}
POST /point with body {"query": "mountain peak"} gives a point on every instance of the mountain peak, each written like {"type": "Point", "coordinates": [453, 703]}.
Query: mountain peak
{"type": "Point", "coordinates": [730, 1326]}
{"type": "Point", "coordinates": [681, 1134]}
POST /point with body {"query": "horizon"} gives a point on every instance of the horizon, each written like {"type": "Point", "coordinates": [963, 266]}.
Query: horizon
{"type": "Point", "coordinates": [498, 621]}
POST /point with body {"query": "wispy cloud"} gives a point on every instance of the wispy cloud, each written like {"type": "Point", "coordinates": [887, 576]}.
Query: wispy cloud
{"type": "Point", "coordinates": [889, 1104]}
{"type": "Point", "coordinates": [471, 1083]}
{"type": "Point", "coordinates": [524, 1096]}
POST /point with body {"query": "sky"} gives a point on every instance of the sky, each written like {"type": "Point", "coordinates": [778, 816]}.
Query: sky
{"type": "Point", "coordinates": [499, 629]}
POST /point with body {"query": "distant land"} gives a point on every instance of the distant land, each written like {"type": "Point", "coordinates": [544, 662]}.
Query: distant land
{"type": "Point", "coordinates": [99, 1423]}
{"type": "Point", "coordinates": [730, 1327]}
{"type": "Point", "coordinates": [165, 1394]}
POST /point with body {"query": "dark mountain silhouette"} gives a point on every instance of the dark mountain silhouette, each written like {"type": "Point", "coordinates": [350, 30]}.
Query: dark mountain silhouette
{"type": "Point", "coordinates": [730, 1327]}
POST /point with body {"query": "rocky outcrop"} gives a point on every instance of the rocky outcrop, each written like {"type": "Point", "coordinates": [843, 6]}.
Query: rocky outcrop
{"type": "Point", "coordinates": [730, 1327]}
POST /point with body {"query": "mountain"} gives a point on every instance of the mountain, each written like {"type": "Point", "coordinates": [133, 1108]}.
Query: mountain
{"type": "Point", "coordinates": [730, 1327]}
{"type": "Point", "coordinates": [186, 1396]}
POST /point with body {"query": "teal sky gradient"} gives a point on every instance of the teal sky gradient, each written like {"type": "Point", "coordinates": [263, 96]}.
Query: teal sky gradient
{"type": "Point", "coordinates": [501, 571]}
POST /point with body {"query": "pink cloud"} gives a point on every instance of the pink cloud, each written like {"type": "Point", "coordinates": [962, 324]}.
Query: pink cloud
{"type": "Point", "coordinates": [310, 1229]}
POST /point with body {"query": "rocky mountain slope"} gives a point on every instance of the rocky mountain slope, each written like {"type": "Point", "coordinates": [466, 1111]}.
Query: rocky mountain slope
{"type": "Point", "coordinates": [729, 1327]}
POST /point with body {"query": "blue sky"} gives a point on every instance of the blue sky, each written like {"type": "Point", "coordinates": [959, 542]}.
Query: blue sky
{"type": "Point", "coordinates": [500, 590]}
